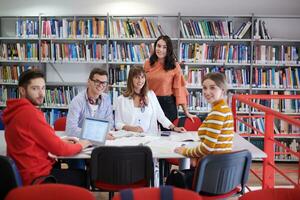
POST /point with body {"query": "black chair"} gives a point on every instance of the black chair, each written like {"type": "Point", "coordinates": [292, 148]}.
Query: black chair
{"type": "Point", "coordinates": [222, 175]}
{"type": "Point", "coordinates": [9, 176]}
{"type": "Point", "coordinates": [116, 168]}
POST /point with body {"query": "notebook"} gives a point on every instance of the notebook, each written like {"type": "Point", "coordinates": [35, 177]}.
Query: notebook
{"type": "Point", "coordinates": [95, 130]}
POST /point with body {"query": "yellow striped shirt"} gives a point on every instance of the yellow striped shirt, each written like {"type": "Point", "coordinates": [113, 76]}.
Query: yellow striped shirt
{"type": "Point", "coordinates": [216, 132]}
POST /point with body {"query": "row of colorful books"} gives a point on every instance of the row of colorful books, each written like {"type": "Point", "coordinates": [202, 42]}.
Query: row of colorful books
{"type": "Point", "coordinates": [52, 115]}
{"type": "Point", "coordinates": [27, 28]}
{"type": "Point", "coordinates": [207, 53]}
{"type": "Point", "coordinates": [134, 28]}
{"type": "Point", "coordinates": [288, 77]}
{"type": "Point", "coordinates": [118, 75]}
{"type": "Point", "coordinates": [280, 127]}
{"type": "Point", "coordinates": [10, 74]}
{"type": "Point", "coordinates": [281, 54]}
{"type": "Point", "coordinates": [236, 77]}
{"type": "Point", "coordinates": [61, 96]}
{"type": "Point", "coordinates": [260, 30]}
{"type": "Point", "coordinates": [73, 51]}
{"type": "Point", "coordinates": [197, 102]}
{"type": "Point", "coordinates": [8, 93]}
{"type": "Point", "coordinates": [74, 28]}
{"type": "Point", "coordinates": [280, 153]}
{"type": "Point", "coordinates": [54, 96]}
{"type": "Point", "coordinates": [206, 29]}
{"type": "Point", "coordinates": [281, 105]}
{"type": "Point", "coordinates": [129, 52]}
{"type": "Point", "coordinates": [19, 51]}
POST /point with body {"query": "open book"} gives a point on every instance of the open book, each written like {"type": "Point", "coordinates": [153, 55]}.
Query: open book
{"type": "Point", "coordinates": [187, 136]}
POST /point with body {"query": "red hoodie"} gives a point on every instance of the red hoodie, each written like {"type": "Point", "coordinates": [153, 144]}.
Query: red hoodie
{"type": "Point", "coordinates": [29, 139]}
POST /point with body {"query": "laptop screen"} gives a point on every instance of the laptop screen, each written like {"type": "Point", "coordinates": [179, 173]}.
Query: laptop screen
{"type": "Point", "coordinates": [95, 130]}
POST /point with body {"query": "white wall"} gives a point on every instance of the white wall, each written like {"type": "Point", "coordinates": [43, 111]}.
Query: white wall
{"type": "Point", "coordinates": [164, 7]}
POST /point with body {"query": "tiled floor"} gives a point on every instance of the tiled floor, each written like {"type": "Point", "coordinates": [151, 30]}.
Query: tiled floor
{"type": "Point", "coordinates": [289, 168]}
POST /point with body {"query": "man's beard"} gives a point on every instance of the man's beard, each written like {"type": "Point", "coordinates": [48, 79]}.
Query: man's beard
{"type": "Point", "coordinates": [33, 101]}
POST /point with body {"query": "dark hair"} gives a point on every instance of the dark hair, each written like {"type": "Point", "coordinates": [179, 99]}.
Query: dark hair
{"type": "Point", "coordinates": [217, 77]}
{"type": "Point", "coordinates": [133, 72]}
{"type": "Point", "coordinates": [170, 58]}
{"type": "Point", "coordinates": [98, 71]}
{"type": "Point", "coordinates": [28, 75]}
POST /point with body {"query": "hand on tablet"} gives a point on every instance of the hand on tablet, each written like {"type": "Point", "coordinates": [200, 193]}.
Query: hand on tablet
{"type": "Point", "coordinates": [84, 143]}
{"type": "Point", "coordinates": [110, 136]}
{"type": "Point", "coordinates": [179, 129]}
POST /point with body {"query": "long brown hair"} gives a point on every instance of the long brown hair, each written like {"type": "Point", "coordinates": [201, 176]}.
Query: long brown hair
{"type": "Point", "coordinates": [170, 58]}
{"type": "Point", "coordinates": [133, 72]}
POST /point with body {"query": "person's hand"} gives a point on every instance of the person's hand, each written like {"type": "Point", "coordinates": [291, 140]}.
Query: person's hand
{"type": "Point", "coordinates": [84, 143]}
{"type": "Point", "coordinates": [110, 136]}
{"type": "Point", "coordinates": [137, 129]}
{"type": "Point", "coordinates": [71, 140]}
{"type": "Point", "coordinates": [190, 116]}
{"type": "Point", "coordinates": [179, 129]}
{"type": "Point", "coordinates": [179, 150]}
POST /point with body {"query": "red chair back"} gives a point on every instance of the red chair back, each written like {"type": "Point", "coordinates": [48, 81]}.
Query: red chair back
{"type": "Point", "coordinates": [274, 194]}
{"type": "Point", "coordinates": [60, 124]}
{"type": "Point", "coordinates": [50, 192]}
{"type": "Point", "coordinates": [154, 194]}
{"type": "Point", "coordinates": [187, 123]}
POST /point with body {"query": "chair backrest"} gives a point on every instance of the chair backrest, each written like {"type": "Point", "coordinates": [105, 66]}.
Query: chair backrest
{"type": "Point", "coordinates": [187, 123]}
{"type": "Point", "coordinates": [50, 192]}
{"type": "Point", "coordinates": [273, 194]}
{"type": "Point", "coordinates": [156, 194]}
{"type": "Point", "coordinates": [116, 168]}
{"type": "Point", "coordinates": [9, 176]}
{"type": "Point", "coordinates": [221, 173]}
{"type": "Point", "coordinates": [60, 124]}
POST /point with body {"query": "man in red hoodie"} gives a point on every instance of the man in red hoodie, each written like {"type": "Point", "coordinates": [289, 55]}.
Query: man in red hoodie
{"type": "Point", "coordinates": [30, 138]}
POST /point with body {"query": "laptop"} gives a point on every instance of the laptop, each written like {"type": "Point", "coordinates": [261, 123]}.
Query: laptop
{"type": "Point", "coordinates": [95, 130]}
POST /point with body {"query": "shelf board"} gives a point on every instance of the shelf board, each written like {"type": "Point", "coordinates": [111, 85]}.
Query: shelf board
{"type": "Point", "coordinates": [20, 38]}
{"type": "Point", "coordinates": [194, 86]}
{"type": "Point", "coordinates": [125, 63]}
{"type": "Point", "coordinates": [214, 64]}
{"type": "Point", "coordinates": [9, 83]}
{"type": "Point", "coordinates": [54, 107]}
{"type": "Point", "coordinates": [74, 39]}
{"type": "Point", "coordinates": [136, 39]}
{"type": "Point", "coordinates": [74, 62]}
{"type": "Point", "coordinates": [66, 84]}
{"type": "Point", "coordinates": [276, 65]}
{"type": "Point", "coordinates": [213, 40]}
{"type": "Point", "coordinates": [19, 61]}
{"type": "Point", "coordinates": [277, 89]}
{"type": "Point", "coordinates": [276, 40]}
{"type": "Point", "coordinates": [118, 86]}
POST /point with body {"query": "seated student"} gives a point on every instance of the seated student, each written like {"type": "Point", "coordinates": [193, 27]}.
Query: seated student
{"type": "Point", "coordinates": [138, 109]}
{"type": "Point", "coordinates": [30, 138]}
{"type": "Point", "coordinates": [92, 102]}
{"type": "Point", "coordinates": [216, 131]}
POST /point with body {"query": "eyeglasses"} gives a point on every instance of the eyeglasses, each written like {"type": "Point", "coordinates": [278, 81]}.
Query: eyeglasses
{"type": "Point", "coordinates": [98, 83]}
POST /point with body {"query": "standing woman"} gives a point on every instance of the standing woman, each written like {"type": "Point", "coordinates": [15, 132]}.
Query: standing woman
{"type": "Point", "coordinates": [137, 109]}
{"type": "Point", "coordinates": [165, 78]}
